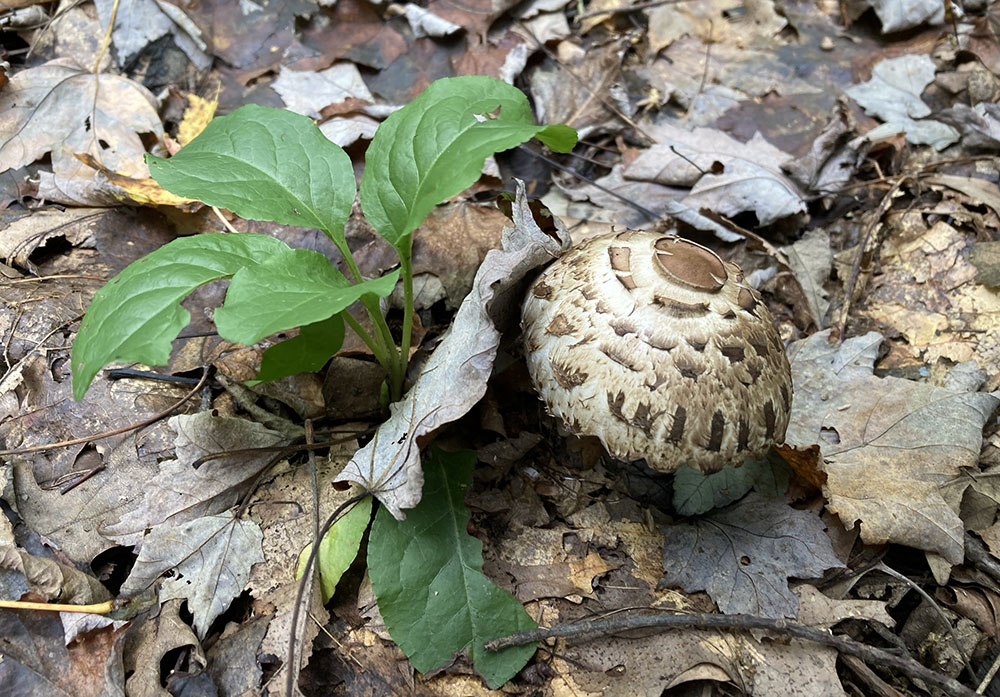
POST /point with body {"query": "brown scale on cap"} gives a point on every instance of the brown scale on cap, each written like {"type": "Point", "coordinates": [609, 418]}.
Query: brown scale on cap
{"type": "Point", "coordinates": [659, 348]}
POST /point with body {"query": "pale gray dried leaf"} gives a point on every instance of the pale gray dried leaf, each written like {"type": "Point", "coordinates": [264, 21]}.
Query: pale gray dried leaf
{"type": "Point", "coordinates": [546, 28]}
{"type": "Point", "coordinates": [77, 623]}
{"type": "Point", "coordinates": [73, 520]}
{"type": "Point", "coordinates": [979, 125]}
{"type": "Point", "coordinates": [725, 175]}
{"type": "Point", "coordinates": [534, 7]}
{"type": "Point", "coordinates": [751, 667]}
{"type": "Point", "coordinates": [179, 492]}
{"type": "Point", "coordinates": [830, 161]}
{"type": "Point", "coordinates": [893, 95]}
{"type": "Point", "coordinates": [146, 21]}
{"type": "Point", "coordinates": [210, 559]}
{"type": "Point", "coordinates": [897, 15]}
{"type": "Point", "coordinates": [308, 92]}
{"type": "Point", "coordinates": [347, 130]}
{"type": "Point", "coordinates": [455, 376]}
{"type": "Point", "coordinates": [423, 22]}
{"type": "Point", "coordinates": [658, 200]}
{"type": "Point", "coordinates": [981, 191]}
{"type": "Point", "coordinates": [54, 109]}
{"type": "Point", "coordinates": [818, 610]}
{"type": "Point", "coordinates": [889, 446]}
{"type": "Point", "coordinates": [743, 555]}
{"type": "Point", "coordinates": [811, 261]}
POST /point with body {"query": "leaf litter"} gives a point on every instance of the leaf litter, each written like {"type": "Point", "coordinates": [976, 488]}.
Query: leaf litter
{"type": "Point", "coordinates": [907, 444]}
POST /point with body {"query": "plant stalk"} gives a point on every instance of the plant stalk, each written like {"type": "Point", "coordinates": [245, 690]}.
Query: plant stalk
{"type": "Point", "coordinates": [406, 265]}
{"type": "Point", "coordinates": [376, 348]}
{"type": "Point", "coordinates": [382, 345]}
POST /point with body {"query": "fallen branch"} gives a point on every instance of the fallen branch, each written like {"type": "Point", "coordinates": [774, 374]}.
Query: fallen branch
{"type": "Point", "coordinates": [612, 625]}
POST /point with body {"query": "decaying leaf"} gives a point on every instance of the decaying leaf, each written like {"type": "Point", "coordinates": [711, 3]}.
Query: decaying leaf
{"type": "Point", "coordinates": [61, 109]}
{"type": "Point", "coordinates": [455, 376]}
{"type": "Point", "coordinates": [888, 445]}
{"type": "Point", "coordinates": [744, 555]}
{"type": "Point", "coordinates": [725, 175]}
{"type": "Point", "coordinates": [308, 93]}
{"type": "Point", "coordinates": [897, 15]}
{"type": "Point", "coordinates": [893, 94]}
{"type": "Point", "coordinates": [152, 639]}
{"type": "Point", "coordinates": [179, 493]}
{"type": "Point", "coordinates": [210, 560]}
{"type": "Point", "coordinates": [811, 260]}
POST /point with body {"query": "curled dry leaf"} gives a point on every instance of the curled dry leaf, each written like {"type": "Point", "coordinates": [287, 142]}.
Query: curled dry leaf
{"type": "Point", "coordinates": [455, 376]}
{"type": "Point", "coordinates": [725, 175]}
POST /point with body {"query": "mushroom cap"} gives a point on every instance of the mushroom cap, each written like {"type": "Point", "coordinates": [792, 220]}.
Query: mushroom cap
{"type": "Point", "coordinates": [659, 348]}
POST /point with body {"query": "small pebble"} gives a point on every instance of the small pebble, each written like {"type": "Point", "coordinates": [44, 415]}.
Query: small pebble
{"type": "Point", "coordinates": [826, 43]}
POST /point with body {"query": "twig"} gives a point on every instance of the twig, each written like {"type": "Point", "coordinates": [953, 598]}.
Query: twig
{"type": "Point", "coordinates": [704, 73]}
{"type": "Point", "coordinates": [96, 608]}
{"type": "Point", "coordinates": [990, 674]}
{"type": "Point", "coordinates": [852, 280]}
{"type": "Point", "coordinates": [116, 432]}
{"type": "Point", "coordinates": [976, 552]}
{"type": "Point", "coordinates": [869, 654]}
{"type": "Point", "coordinates": [306, 582]}
{"type": "Point", "coordinates": [876, 686]}
{"type": "Point", "coordinates": [283, 449]}
{"type": "Point", "coordinates": [881, 566]}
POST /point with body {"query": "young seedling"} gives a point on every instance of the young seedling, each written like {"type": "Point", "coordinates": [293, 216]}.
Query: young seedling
{"type": "Point", "coordinates": [270, 164]}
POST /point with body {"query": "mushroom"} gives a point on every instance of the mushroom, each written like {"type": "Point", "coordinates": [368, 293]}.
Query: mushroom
{"type": "Point", "coordinates": [659, 348]}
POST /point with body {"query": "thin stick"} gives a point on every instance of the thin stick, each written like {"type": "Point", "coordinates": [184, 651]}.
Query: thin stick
{"type": "Point", "coordinates": [116, 432]}
{"type": "Point", "coordinates": [306, 583]}
{"type": "Point", "coordinates": [937, 608]}
{"type": "Point", "coordinates": [869, 654]}
{"type": "Point", "coordinates": [852, 279]}
{"type": "Point", "coordinates": [97, 608]}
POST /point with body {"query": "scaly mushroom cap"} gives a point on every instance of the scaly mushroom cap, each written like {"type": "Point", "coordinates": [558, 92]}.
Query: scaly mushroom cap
{"type": "Point", "coordinates": [659, 348]}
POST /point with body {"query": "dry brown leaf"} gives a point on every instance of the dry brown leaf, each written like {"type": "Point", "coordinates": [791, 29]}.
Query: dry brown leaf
{"type": "Point", "coordinates": [578, 101]}
{"type": "Point", "coordinates": [926, 292]}
{"type": "Point", "coordinates": [628, 666]}
{"type": "Point", "coordinates": [179, 493]}
{"type": "Point", "coordinates": [60, 109]}
{"type": "Point", "coordinates": [888, 444]}
{"type": "Point", "coordinates": [283, 504]}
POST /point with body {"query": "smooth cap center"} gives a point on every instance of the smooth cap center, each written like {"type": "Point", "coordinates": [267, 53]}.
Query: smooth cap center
{"type": "Point", "coordinates": [690, 264]}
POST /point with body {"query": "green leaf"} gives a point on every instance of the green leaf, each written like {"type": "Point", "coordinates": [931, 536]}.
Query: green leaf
{"type": "Point", "coordinates": [136, 315]}
{"type": "Point", "coordinates": [307, 352]}
{"type": "Point", "coordinates": [265, 164]}
{"type": "Point", "coordinates": [339, 547]}
{"type": "Point", "coordinates": [696, 492]}
{"type": "Point", "coordinates": [434, 147]}
{"type": "Point", "coordinates": [426, 572]}
{"type": "Point", "coordinates": [294, 287]}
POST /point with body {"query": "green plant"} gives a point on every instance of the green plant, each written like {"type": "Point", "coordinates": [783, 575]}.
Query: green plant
{"type": "Point", "coordinates": [270, 164]}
